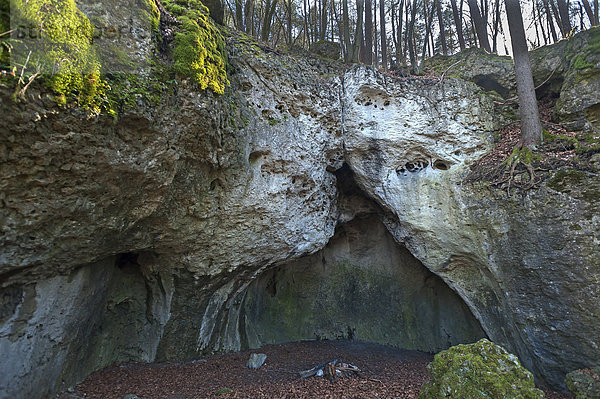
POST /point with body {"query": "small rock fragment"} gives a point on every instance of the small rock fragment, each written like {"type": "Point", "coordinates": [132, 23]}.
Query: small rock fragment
{"type": "Point", "coordinates": [131, 396]}
{"type": "Point", "coordinates": [256, 360]}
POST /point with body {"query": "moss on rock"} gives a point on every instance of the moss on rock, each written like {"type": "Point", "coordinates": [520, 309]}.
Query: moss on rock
{"type": "Point", "coordinates": [4, 27]}
{"type": "Point", "coordinates": [479, 370]}
{"type": "Point", "coordinates": [61, 49]}
{"type": "Point", "coordinates": [199, 45]}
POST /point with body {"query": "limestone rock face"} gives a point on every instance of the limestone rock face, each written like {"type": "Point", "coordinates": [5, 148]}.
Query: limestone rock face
{"type": "Point", "coordinates": [146, 238]}
{"type": "Point", "coordinates": [511, 259]}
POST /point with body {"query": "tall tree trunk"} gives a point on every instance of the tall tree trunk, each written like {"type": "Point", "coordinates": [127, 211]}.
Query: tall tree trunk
{"type": "Point", "coordinates": [428, 21]}
{"type": "Point", "coordinates": [589, 11]}
{"type": "Point", "coordinates": [383, 34]}
{"type": "Point", "coordinates": [480, 26]}
{"type": "Point", "coordinates": [249, 17]}
{"type": "Point", "coordinates": [438, 7]}
{"type": "Point", "coordinates": [535, 26]}
{"type": "Point", "coordinates": [323, 20]}
{"type": "Point", "coordinates": [496, 26]}
{"type": "Point", "coordinates": [411, 39]}
{"type": "Point", "coordinates": [268, 20]}
{"type": "Point", "coordinates": [531, 128]}
{"type": "Point", "coordinates": [346, 22]}
{"type": "Point", "coordinates": [306, 32]}
{"type": "Point", "coordinates": [290, 10]}
{"type": "Point", "coordinates": [358, 33]}
{"type": "Point", "coordinates": [375, 36]}
{"type": "Point", "coordinates": [239, 15]}
{"type": "Point", "coordinates": [368, 56]}
{"type": "Point", "coordinates": [565, 21]}
{"type": "Point", "coordinates": [550, 21]}
{"type": "Point", "coordinates": [596, 13]}
{"type": "Point", "coordinates": [458, 24]}
{"type": "Point", "coordinates": [540, 20]}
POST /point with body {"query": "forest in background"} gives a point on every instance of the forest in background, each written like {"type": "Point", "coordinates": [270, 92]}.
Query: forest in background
{"type": "Point", "coordinates": [401, 34]}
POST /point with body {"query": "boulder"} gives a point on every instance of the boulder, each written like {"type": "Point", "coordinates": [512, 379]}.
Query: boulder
{"type": "Point", "coordinates": [326, 49]}
{"type": "Point", "coordinates": [256, 360]}
{"type": "Point", "coordinates": [479, 370]}
{"type": "Point", "coordinates": [585, 383]}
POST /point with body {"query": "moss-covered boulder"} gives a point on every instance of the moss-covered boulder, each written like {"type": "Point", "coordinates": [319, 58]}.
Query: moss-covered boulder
{"type": "Point", "coordinates": [326, 49]}
{"type": "Point", "coordinates": [585, 383]}
{"type": "Point", "coordinates": [479, 370]}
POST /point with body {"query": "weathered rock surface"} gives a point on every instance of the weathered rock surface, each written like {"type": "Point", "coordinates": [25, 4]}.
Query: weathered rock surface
{"type": "Point", "coordinates": [479, 370]}
{"type": "Point", "coordinates": [139, 239]}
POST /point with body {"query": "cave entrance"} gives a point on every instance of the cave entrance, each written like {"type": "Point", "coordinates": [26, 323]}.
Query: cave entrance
{"type": "Point", "coordinates": [363, 285]}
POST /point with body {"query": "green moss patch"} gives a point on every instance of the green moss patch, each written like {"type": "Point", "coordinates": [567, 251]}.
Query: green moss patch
{"type": "Point", "coordinates": [199, 50]}
{"type": "Point", "coordinates": [58, 48]}
{"type": "Point", "coordinates": [4, 27]}
{"type": "Point", "coordinates": [479, 370]}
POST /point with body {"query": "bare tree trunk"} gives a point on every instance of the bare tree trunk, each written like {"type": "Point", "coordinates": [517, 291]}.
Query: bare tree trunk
{"type": "Point", "coordinates": [323, 20]}
{"type": "Point", "coordinates": [306, 32]}
{"type": "Point", "coordinates": [550, 21]}
{"type": "Point", "coordinates": [496, 27]}
{"type": "Point", "coordinates": [411, 39]}
{"type": "Point", "coordinates": [368, 56]}
{"type": "Point", "coordinates": [428, 21]}
{"type": "Point", "coordinates": [358, 33]}
{"type": "Point", "coordinates": [290, 10]}
{"type": "Point", "coordinates": [537, 31]}
{"type": "Point", "coordinates": [346, 20]}
{"type": "Point", "coordinates": [540, 20]}
{"type": "Point", "coordinates": [375, 36]}
{"type": "Point", "coordinates": [268, 20]}
{"type": "Point", "coordinates": [249, 17]}
{"type": "Point", "coordinates": [458, 23]}
{"type": "Point", "coordinates": [394, 37]}
{"type": "Point", "coordinates": [438, 7]}
{"type": "Point", "coordinates": [531, 128]}
{"type": "Point", "coordinates": [565, 21]}
{"type": "Point", "coordinates": [406, 38]}
{"type": "Point", "coordinates": [383, 34]}
{"type": "Point", "coordinates": [589, 11]}
{"type": "Point", "coordinates": [596, 13]}
{"type": "Point", "coordinates": [480, 26]}
{"type": "Point", "coordinates": [239, 15]}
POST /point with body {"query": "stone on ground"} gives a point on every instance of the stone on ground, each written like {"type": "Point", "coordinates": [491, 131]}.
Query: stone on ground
{"type": "Point", "coordinates": [478, 370]}
{"type": "Point", "coordinates": [585, 383]}
{"type": "Point", "coordinates": [256, 360]}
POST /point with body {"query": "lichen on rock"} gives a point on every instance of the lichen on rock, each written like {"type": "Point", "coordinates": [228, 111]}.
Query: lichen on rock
{"type": "Point", "coordinates": [478, 370]}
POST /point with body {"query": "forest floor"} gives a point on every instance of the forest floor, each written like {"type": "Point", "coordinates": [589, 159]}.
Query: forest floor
{"type": "Point", "coordinates": [386, 372]}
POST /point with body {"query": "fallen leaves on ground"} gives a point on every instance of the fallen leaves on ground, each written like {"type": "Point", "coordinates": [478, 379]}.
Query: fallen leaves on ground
{"type": "Point", "coordinates": [386, 372]}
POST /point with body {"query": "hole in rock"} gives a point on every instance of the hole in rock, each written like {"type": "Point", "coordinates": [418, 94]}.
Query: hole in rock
{"type": "Point", "coordinates": [127, 259]}
{"type": "Point", "coordinates": [441, 165]}
{"type": "Point", "coordinates": [490, 83]}
{"type": "Point", "coordinates": [362, 285]}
